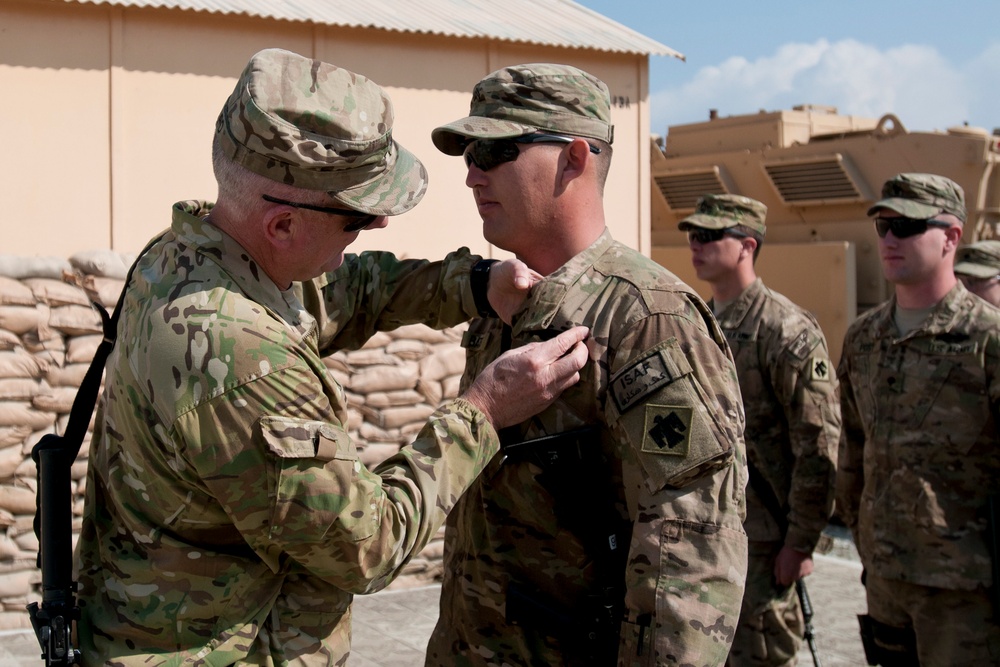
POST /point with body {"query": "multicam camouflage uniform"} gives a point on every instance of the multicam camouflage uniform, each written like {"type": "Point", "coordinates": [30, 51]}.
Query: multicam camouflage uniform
{"type": "Point", "coordinates": [228, 518]}
{"type": "Point", "coordinates": [793, 429]}
{"type": "Point", "coordinates": [661, 386]}
{"type": "Point", "coordinates": [919, 454]}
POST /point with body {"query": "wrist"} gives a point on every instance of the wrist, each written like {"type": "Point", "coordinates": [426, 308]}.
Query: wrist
{"type": "Point", "coordinates": [479, 278]}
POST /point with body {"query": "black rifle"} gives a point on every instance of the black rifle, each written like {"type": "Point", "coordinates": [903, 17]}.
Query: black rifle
{"type": "Point", "coordinates": [578, 479]}
{"type": "Point", "coordinates": [776, 509]}
{"type": "Point", "coordinates": [807, 615]}
{"type": "Point", "coordinates": [54, 455]}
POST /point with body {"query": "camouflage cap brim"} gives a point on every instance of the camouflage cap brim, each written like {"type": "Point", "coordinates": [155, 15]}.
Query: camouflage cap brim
{"type": "Point", "coordinates": [976, 270]}
{"type": "Point", "coordinates": [394, 191]}
{"type": "Point", "coordinates": [906, 207]}
{"type": "Point", "coordinates": [706, 222]}
{"type": "Point", "coordinates": [451, 139]}
{"type": "Point", "coordinates": [722, 211]}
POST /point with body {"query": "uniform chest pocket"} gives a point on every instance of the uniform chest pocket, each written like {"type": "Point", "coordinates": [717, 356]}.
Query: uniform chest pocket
{"type": "Point", "coordinates": [947, 394]}
{"type": "Point", "coordinates": [865, 380]}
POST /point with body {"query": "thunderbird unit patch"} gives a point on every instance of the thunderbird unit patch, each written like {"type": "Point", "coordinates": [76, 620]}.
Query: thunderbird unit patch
{"type": "Point", "coordinates": [667, 430]}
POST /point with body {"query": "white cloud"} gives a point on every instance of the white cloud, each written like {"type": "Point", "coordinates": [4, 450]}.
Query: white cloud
{"type": "Point", "coordinates": [915, 82]}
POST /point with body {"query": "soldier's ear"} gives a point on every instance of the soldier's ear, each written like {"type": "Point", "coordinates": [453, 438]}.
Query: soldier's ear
{"type": "Point", "coordinates": [278, 225]}
{"type": "Point", "coordinates": [748, 246]}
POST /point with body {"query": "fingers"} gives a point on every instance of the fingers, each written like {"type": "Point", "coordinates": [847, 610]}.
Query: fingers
{"type": "Point", "coordinates": [516, 273]}
{"type": "Point", "coordinates": [524, 381]}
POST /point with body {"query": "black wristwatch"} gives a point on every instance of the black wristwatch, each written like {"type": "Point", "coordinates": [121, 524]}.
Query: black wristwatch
{"type": "Point", "coordinates": [480, 279]}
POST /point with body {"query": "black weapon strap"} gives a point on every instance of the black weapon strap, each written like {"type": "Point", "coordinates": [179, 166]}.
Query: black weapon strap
{"type": "Point", "coordinates": [86, 398]}
{"type": "Point", "coordinates": [767, 495]}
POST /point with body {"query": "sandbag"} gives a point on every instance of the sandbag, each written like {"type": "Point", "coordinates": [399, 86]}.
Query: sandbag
{"type": "Point", "coordinates": [18, 268]}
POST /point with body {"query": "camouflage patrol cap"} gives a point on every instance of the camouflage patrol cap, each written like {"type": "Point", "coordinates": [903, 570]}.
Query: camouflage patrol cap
{"type": "Point", "coordinates": [980, 259]}
{"type": "Point", "coordinates": [312, 125]}
{"type": "Point", "coordinates": [921, 196]}
{"type": "Point", "coordinates": [524, 99]}
{"type": "Point", "coordinates": [725, 211]}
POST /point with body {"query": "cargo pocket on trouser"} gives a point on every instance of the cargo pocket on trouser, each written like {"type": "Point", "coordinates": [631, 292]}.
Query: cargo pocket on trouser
{"type": "Point", "coordinates": [699, 590]}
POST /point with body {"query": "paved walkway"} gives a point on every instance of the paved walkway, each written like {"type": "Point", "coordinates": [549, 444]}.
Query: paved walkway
{"type": "Point", "coordinates": [391, 628]}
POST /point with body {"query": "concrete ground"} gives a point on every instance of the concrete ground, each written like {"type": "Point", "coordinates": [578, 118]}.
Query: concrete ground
{"type": "Point", "coordinates": [391, 628]}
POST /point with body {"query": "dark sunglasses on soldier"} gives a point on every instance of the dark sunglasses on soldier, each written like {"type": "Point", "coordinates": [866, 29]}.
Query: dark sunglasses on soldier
{"type": "Point", "coordinates": [702, 236]}
{"type": "Point", "coordinates": [903, 227]}
{"type": "Point", "coordinates": [363, 219]}
{"type": "Point", "coordinates": [488, 153]}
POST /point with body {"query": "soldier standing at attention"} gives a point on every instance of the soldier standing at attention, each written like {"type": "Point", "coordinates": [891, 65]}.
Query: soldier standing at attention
{"type": "Point", "coordinates": [620, 540]}
{"type": "Point", "coordinates": [977, 266]}
{"type": "Point", "coordinates": [919, 460]}
{"type": "Point", "coordinates": [793, 423]}
{"type": "Point", "coordinates": [228, 519]}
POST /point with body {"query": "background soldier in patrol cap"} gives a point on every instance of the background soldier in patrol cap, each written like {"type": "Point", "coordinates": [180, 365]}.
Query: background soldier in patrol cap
{"type": "Point", "coordinates": [793, 422]}
{"type": "Point", "coordinates": [920, 393]}
{"type": "Point", "coordinates": [228, 519]}
{"type": "Point", "coordinates": [624, 544]}
{"type": "Point", "coordinates": [978, 267]}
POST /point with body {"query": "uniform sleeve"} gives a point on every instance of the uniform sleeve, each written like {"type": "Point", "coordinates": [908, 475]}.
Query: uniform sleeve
{"type": "Point", "coordinates": [807, 388]}
{"type": "Point", "coordinates": [675, 406]}
{"type": "Point", "coordinates": [850, 461]}
{"type": "Point", "coordinates": [288, 475]}
{"type": "Point", "coordinates": [375, 291]}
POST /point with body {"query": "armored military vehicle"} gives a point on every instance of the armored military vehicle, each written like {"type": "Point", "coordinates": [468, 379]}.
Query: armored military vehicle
{"type": "Point", "coordinates": [818, 172]}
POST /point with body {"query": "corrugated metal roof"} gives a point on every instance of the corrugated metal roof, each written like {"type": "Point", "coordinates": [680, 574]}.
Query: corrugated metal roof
{"type": "Point", "coordinates": [549, 22]}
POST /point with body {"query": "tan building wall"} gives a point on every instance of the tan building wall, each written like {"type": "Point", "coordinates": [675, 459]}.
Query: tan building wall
{"type": "Point", "coordinates": [109, 114]}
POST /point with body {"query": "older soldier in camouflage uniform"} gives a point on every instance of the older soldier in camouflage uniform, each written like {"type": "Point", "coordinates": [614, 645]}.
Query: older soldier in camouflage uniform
{"type": "Point", "coordinates": [620, 540]}
{"type": "Point", "coordinates": [920, 392]}
{"type": "Point", "coordinates": [977, 266]}
{"type": "Point", "coordinates": [228, 518]}
{"type": "Point", "coordinates": [793, 422]}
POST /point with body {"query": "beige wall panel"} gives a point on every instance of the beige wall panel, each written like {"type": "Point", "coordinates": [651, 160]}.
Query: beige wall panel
{"type": "Point", "coordinates": [152, 83]}
{"type": "Point", "coordinates": [177, 69]}
{"type": "Point", "coordinates": [817, 276]}
{"type": "Point", "coordinates": [425, 95]}
{"type": "Point", "coordinates": [54, 177]}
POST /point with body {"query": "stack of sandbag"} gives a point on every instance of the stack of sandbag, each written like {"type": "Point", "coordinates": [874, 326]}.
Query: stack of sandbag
{"type": "Point", "coordinates": [393, 385]}
{"type": "Point", "coordinates": [49, 332]}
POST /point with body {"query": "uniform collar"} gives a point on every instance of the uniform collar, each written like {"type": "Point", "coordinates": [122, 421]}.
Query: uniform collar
{"type": "Point", "coordinates": [941, 319]}
{"type": "Point", "coordinates": [734, 314]}
{"type": "Point", "coordinates": [548, 294]}
{"type": "Point", "coordinates": [190, 227]}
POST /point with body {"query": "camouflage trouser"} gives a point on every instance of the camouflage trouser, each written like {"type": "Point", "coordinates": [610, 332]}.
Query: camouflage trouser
{"type": "Point", "coordinates": [771, 624]}
{"type": "Point", "coordinates": [952, 627]}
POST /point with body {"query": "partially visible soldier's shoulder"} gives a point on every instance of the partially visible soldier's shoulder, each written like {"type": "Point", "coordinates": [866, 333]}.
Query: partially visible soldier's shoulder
{"type": "Point", "coordinates": [982, 314]}
{"type": "Point", "coordinates": [790, 322]}
{"type": "Point", "coordinates": [867, 319]}
{"type": "Point", "coordinates": [626, 264]}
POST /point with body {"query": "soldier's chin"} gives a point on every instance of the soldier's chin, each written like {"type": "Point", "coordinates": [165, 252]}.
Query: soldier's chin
{"type": "Point", "coordinates": [335, 262]}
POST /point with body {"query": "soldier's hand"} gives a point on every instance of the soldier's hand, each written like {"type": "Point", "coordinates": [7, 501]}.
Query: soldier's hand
{"type": "Point", "coordinates": [524, 381]}
{"type": "Point", "coordinates": [791, 565]}
{"type": "Point", "coordinates": [509, 282]}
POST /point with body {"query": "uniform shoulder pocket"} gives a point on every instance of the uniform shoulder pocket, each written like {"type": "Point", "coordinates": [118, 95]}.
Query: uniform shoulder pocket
{"type": "Point", "coordinates": [669, 418]}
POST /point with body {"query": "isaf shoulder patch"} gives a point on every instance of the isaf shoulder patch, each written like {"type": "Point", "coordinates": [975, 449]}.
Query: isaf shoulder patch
{"type": "Point", "coordinates": [630, 385]}
{"type": "Point", "coordinates": [667, 430]}
{"type": "Point", "coordinates": [803, 344]}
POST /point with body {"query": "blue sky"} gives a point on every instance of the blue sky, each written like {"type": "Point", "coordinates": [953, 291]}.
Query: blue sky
{"type": "Point", "coordinates": [933, 64]}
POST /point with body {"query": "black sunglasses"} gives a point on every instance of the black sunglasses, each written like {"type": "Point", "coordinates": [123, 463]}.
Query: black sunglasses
{"type": "Point", "coordinates": [488, 153]}
{"type": "Point", "coordinates": [703, 236]}
{"type": "Point", "coordinates": [363, 219]}
{"type": "Point", "coordinates": [902, 227]}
